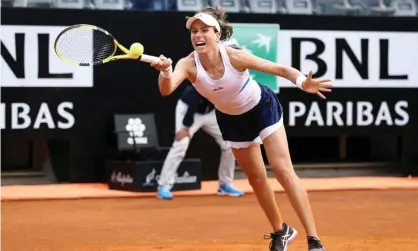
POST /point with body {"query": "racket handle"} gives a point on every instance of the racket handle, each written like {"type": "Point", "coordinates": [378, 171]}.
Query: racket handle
{"type": "Point", "coordinates": [148, 59]}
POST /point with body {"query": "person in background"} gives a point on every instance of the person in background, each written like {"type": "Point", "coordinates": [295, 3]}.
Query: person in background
{"type": "Point", "coordinates": [194, 112]}
{"type": "Point", "coordinates": [154, 4]}
{"type": "Point", "coordinates": [143, 4]}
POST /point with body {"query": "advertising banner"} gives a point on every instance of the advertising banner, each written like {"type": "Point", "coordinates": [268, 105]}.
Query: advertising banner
{"type": "Point", "coordinates": [261, 40]}
{"type": "Point", "coordinates": [371, 61]}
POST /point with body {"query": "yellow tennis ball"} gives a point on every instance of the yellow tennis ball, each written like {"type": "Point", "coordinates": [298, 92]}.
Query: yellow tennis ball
{"type": "Point", "coordinates": [136, 49]}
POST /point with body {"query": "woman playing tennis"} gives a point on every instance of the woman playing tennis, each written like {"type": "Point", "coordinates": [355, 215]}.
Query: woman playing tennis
{"type": "Point", "coordinates": [248, 114]}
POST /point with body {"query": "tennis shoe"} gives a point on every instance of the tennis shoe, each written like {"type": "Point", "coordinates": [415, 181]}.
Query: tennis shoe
{"type": "Point", "coordinates": [229, 191]}
{"type": "Point", "coordinates": [314, 244]}
{"type": "Point", "coordinates": [164, 193]}
{"type": "Point", "coordinates": [281, 240]}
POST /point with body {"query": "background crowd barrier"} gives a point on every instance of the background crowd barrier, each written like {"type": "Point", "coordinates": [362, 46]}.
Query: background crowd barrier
{"type": "Point", "coordinates": [68, 112]}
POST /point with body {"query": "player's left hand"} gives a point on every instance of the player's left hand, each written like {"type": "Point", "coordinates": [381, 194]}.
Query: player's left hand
{"type": "Point", "coordinates": [184, 132]}
{"type": "Point", "coordinates": [317, 86]}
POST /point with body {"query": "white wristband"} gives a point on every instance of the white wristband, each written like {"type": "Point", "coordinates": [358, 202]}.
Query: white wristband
{"type": "Point", "coordinates": [167, 74]}
{"type": "Point", "coordinates": [300, 80]}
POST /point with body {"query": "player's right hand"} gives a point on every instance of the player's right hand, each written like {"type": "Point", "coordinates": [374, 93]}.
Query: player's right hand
{"type": "Point", "coordinates": [184, 132]}
{"type": "Point", "coordinates": [317, 86]}
{"type": "Point", "coordinates": [164, 64]}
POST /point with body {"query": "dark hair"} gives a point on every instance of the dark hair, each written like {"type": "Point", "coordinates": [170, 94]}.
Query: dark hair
{"type": "Point", "coordinates": [220, 15]}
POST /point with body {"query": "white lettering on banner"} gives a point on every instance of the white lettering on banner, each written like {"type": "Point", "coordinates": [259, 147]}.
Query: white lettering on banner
{"type": "Point", "coordinates": [336, 109]}
{"type": "Point", "coordinates": [29, 60]}
{"type": "Point", "coordinates": [349, 113]}
{"type": "Point", "coordinates": [149, 179]}
{"type": "Point", "coordinates": [186, 178]}
{"type": "Point", "coordinates": [152, 178]}
{"type": "Point", "coordinates": [352, 58]}
{"type": "Point", "coordinates": [121, 178]}
{"type": "Point", "coordinates": [364, 113]}
{"type": "Point", "coordinates": [136, 130]}
{"type": "Point", "coordinates": [339, 114]}
{"type": "Point", "coordinates": [21, 116]}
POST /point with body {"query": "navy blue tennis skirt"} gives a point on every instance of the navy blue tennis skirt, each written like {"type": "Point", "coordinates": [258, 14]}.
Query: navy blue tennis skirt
{"type": "Point", "coordinates": [247, 127]}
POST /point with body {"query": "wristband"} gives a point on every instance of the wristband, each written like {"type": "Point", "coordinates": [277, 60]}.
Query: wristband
{"type": "Point", "coordinates": [167, 74]}
{"type": "Point", "coordinates": [300, 80]}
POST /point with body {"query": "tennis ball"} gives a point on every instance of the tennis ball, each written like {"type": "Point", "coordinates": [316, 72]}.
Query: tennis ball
{"type": "Point", "coordinates": [136, 49]}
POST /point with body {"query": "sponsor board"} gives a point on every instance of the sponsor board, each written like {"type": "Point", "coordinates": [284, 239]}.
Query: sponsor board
{"type": "Point", "coordinates": [144, 175]}
{"type": "Point", "coordinates": [350, 59]}
{"type": "Point", "coordinates": [348, 114]}
{"type": "Point", "coordinates": [20, 116]}
{"type": "Point", "coordinates": [29, 60]}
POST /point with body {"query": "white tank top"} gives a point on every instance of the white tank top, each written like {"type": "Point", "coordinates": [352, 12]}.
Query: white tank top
{"type": "Point", "coordinates": [234, 93]}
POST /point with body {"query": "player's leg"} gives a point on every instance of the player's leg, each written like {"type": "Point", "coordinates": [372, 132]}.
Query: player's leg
{"type": "Point", "coordinates": [176, 153]}
{"type": "Point", "coordinates": [277, 151]}
{"type": "Point", "coordinates": [251, 162]}
{"type": "Point", "coordinates": [226, 169]}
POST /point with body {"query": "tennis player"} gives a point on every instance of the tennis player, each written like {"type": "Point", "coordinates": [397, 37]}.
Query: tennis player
{"type": "Point", "coordinates": [248, 114]}
{"type": "Point", "coordinates": [194, 112]}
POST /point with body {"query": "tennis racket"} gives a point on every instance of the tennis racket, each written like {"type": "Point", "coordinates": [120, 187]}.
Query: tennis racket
{"type": "Point", "coordinates": [89, 45]}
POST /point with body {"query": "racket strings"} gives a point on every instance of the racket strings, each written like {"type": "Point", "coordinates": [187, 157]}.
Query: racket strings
{"type": "Point", "coordinates": [85, 45]}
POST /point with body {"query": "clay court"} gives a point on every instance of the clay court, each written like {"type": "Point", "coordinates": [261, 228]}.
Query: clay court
{"type": "Point", "coordinates": [382, 215]}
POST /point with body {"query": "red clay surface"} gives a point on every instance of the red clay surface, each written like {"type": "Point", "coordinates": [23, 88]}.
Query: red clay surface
{"type": "Point", "coordinates": [101, 190]}
{"type": "Point", "coordinates": [385, 220]}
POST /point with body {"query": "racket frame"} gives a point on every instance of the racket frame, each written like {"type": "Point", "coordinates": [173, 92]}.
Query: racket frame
{"type": "Point", "coordinates": [112, 57]}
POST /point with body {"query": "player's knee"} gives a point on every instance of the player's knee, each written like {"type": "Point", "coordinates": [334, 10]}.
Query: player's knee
{"type": "Point", "coordinates": [257, 180]}
{"type": "Point", "coordinates": [283, 169]}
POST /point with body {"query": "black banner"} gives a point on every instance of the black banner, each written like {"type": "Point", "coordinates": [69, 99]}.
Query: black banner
{"type": "Point", "coordinates": [143, 176]}
{"type": "Point", "coordinates": [43, 99]}
{"type": "Point", "coordinates": [355, 111]}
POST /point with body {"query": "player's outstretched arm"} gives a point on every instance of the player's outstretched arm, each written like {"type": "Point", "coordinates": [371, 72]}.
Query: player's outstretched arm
{"type": "Point", "coordinates": [168, 79]}
{"type": "Point", "coordinates": [244, 60]}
